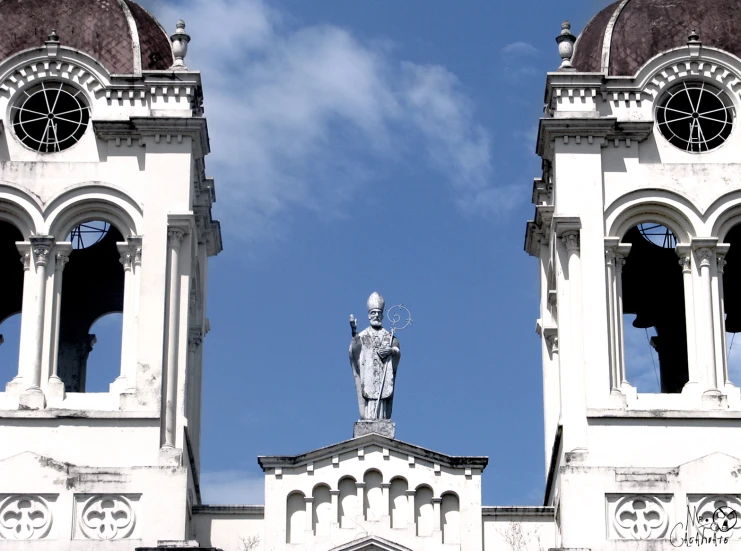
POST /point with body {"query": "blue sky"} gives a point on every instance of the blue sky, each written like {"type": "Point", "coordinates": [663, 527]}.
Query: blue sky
{"type": "Point", "coordinates": [360, 146]}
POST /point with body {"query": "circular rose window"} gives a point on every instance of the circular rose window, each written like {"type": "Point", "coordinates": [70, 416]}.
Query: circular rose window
{"type": "Point", "coordinates": [50, 116]}
{"type": "Point", "coordinates": [695, 117]}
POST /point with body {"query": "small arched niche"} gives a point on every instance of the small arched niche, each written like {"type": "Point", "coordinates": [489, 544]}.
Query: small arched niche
{"type": "Point", "coordinates": [373, 495]}
{"type": "Point", "coordinates": [321, 510]}
{"type": "Point", "coordinates": [654, 321]}
{"type": "Point", "coordinates": [92, 288]}
{"type": "Point", "coordinates": [399, 502]}
{"type": "Point", "coordinates": [11, 301]}
{"type": "Point", "coordinates": [450, 518]}
{"type": "Point", "coordinates": [348, 502]}
{"type": "Point", "coordinates": [295, 517]}
{"type": "Point", "coordinates": [424, 514]}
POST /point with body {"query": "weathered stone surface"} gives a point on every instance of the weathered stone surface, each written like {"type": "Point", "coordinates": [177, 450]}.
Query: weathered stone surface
{"type": "Point", "coordinates": [383, 427]}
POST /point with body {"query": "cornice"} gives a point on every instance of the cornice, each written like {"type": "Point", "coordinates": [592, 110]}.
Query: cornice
{"type": "Point", "coordinates": [590, 129]}
{"type": "Point", "coordinates": [159, 128]}
{"type": "Point", "coordinates": [269, 461]}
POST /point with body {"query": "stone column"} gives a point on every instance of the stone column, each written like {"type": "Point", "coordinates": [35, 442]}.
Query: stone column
{"type": "Point", "coordinates": [61, 257]}
{"type": "Point", "coordinates": [436, 501]}
{"type": "Point", "coordinates": [309, 527]}
{"type": "Point", "coordinates": [685, 261]}
{"type": "Point", "coordinates": [411, 520]}
{"type": "Point", "coordinates": [361, 499]}
{"type": "Point", "coordinates": [386, 511]}
{"type": "Point", "coordinates": [574, 408]}
{"type": "Point", "coordinates": [40, 247]}
{"type": "Point", "coordinates": [705, 322]}
{"type": "Point", "coordinates": [192, 383]}
{"type": "Point", "coordinates": [612, 319]}
{"type": "Point", "coordinates": [334, 496]}
{"type": "Point", "coordinates": [174, 240]}
{"type": "Point", "coordinates": [128, 250]}
{"type": "Point", "coordinates": [18, 384]}
{"type": "Point", "coordinates": [720, 256]}
{"type": "Point", "coordinates": [622, 379]}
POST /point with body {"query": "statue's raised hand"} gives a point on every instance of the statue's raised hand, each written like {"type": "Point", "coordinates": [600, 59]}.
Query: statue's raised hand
{"type": "Point", "coordinates": [353, 325]}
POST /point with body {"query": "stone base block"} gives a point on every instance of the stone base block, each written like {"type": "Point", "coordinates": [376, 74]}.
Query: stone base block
{"type": "Point", "coordinates": [382, 426]}
{"type": "Point", "coordinates": [714, 400]}
{"type": "Point", "coordinates": [55, 388]}
{"type": "Point", "coordinates": [170, 457]}
{"type": "Point", "coordinates": [32, 400]}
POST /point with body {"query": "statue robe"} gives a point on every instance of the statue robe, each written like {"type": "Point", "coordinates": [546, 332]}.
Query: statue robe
{"type": "Point", "coordinates": [369, 369]}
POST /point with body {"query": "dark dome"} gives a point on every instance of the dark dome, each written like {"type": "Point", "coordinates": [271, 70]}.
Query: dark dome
{"type": "Point", "coordinates": [103, 29]}
{"type": "Point", "coordinates": [637, 30]}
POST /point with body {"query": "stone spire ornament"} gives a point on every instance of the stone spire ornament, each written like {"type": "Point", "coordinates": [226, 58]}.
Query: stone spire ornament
{"type": "Point", "coordinates": [565, 42]}
{"type": "Point", "coordinates": [180, 41]}
{"type": "Point", "coordinates": [374, 358]}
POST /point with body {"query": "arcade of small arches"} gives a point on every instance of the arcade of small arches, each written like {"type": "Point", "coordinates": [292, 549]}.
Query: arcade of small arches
{"type": "Point", "coordinates": [677, 294]}
{"type": "Point", "coordinates": [352, 503]}
{"type": "Point", "coordinates": [56, 291]}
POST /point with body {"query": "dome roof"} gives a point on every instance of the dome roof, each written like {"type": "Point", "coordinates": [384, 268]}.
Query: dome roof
{"type": "Point", "coordinates": [120, 34]}
{"type": "Point", "coordinates": [628, 33]}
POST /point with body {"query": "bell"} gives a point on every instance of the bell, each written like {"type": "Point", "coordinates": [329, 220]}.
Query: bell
{"type": "Point", "coordinates": [733, 323]}
{"type": "Point", "coordinates": [643, 321]}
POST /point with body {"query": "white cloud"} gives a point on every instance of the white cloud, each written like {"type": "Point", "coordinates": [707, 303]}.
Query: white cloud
{"type": "Point", "coordinates": [303, 117]}
{"type": "Point", "coordinates": [232, 487]}
{"type": "Point", "coordinates": [519, 48]}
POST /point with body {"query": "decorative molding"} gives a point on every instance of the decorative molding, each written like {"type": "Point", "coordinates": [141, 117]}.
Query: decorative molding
{"type": "Point", "coordinates": [37, 70]}
{"type": "Point", "coordinates": [130, 251]}
{"type": "Point", "coordinates": [158, 128]}
{"type": "Point", "coordinates": [638, 516]}
{"type": "Point", "coordinates": [24, 517]}
{"type": "Point", "coordinates": [175, 236]}
{"type": "Point", "coordinates": [107, 517]}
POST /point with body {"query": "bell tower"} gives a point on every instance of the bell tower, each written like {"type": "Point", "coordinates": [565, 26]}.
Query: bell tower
{"type": "Point", "coordinates": [637, 233]}
{"type": "Point", "coordinates": [105, 207]}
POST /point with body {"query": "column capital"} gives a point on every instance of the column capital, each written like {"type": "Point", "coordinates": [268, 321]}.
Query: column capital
{"type": "Point", "coordinates": [40, 247]}
{"type": "Point", "coordinates": [705, 255]}
{"type": "Point", "coordinates": [195, 339]}
{"type": "Point", "coordinates": [175, 236]}
{"type": "Point", "coordinates": [570, 238]}
{"type": "Point", "coordinates": [334, 492]}
{"type": "Point", "coordinates": [62, 250]}
{"type": "Point", "coordinates": [550, 334]}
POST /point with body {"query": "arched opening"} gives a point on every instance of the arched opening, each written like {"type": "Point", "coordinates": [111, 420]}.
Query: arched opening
{"type": "Point", "coordinates": [103, 363]}
{"type": "Point", "coordinates": [92, 288]}
{"type": "Point", "coordinates": [11, 301]}
{"type": "Point", "coordinates": [399, 502]}
{"type": "Point", "coordinates": [732, 303]}
{"type": "Point", "coordinates": [654, 311]}
{"type": "Point", "coordinates": [348, 502]}
{"type": "Point", "coordinates": [295, 518]}
{"type": "Point", "coordinates": [373, 495]}
{"type": "Point", "coordinates": [321, 510]}
{"type": "Point", "coordinates": [450, 518]}
{"type": "Point", "coordinates": [424, 513]}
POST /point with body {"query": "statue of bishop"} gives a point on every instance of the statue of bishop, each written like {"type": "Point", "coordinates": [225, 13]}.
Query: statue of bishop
{"type": "Point", "coordinates": [374, 357]}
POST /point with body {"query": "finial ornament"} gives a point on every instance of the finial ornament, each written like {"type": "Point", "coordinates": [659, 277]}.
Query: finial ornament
{"type": "Point", "coordinates": [53, 37]}
{"type": "Point", "coordinates": [180, 41]}
{"type": "Point", "coordinates": [565, 42]}
{"type": "Point", "coordinates": [693, 38]}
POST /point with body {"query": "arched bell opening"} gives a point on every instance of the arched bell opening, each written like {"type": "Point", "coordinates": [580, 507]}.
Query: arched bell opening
{"type": "Point", "coordinates": [732, 303]}
{"type": "Point", "coordinates": [92, 288]}
{"type": "Point", "coordinates": [654, 319]}
{"type": "Point", "coordinates": [11, 301]}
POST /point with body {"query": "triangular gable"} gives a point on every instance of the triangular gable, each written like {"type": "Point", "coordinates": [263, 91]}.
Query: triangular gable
{"type": "Point", "coordinates": [715, 460]}
{"type": "Point", "coordinates": [32, 461]}
{"type": "Point", "coordinates": [370, 543]}
{"type": "Point", "coordinates": [452, 461]}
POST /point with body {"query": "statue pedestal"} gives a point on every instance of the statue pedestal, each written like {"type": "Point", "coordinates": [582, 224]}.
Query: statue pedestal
{"type": "Point", "coordinates": [384, 427]}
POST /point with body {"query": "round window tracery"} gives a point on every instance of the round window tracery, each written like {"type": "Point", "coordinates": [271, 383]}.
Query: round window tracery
{"type": "Point", "coordinates": [50, 117]}
{"type": "Point", "coordinates": [659, 235]}
{"type": "Point", "coordinates": [695, 116]}
{"type": "Point", "coordinates": [88, 234]}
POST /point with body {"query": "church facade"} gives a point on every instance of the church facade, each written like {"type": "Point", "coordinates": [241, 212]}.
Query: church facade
{"type": "Point", "coordinates": [637, 224]}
